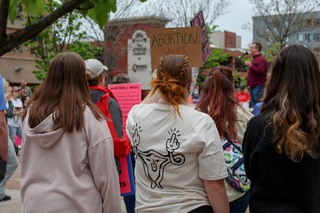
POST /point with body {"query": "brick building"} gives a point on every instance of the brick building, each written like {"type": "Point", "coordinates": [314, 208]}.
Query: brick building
{"type": "Point", "coordinates": [117, 34]}
{"type": "Point", "coordinates": [225, 39]}
{"type": "Point", "coordinates": [18, 64]}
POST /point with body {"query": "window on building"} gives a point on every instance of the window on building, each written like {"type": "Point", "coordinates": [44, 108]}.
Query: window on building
{"type": "Point", "coordinates": [299, 38]}
{"type": "Point", "coordinates": [270, 26]}
{"type": "Point", "coordinates": [307, 37]}
{"type": "Point", "coordinates": [230, 41]}
{"type": "Point", "coordinates": [316, 37]}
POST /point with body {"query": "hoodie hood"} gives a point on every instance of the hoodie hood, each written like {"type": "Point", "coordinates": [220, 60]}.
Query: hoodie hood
{"type": "Point", "coordinates": [44, 134]}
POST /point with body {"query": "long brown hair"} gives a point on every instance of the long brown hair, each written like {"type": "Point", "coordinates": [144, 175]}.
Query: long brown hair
{"type": "Point", "coordinates": [293, 101]}
{"type": "Point", "coordinates": [218, 100]}
{"type": "Point", "coordinates": [65, 93]}
{"type": "Point", "coordinates": [174, 73]}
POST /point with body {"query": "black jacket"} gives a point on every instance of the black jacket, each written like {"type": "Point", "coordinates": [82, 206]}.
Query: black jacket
{"type": "Point", "coordinates": [277, 183]}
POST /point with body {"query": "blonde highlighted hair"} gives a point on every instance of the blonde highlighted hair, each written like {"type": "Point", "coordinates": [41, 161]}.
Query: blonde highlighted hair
{"type": "Point", "coordinates": [293, 102]}
{"type": "Point", "coordinates": [174, 73]}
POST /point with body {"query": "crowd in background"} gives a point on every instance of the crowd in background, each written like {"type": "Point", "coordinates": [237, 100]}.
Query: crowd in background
{"type": "Point", "coordinates": [218, 157]}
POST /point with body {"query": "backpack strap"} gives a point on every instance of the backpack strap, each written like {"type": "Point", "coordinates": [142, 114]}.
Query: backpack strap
{"type": "Point", "coordinates": [230, 141]}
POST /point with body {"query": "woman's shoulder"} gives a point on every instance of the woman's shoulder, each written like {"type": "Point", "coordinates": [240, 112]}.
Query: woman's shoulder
{"type": "Point", "coordinates": [243, 114]}
{"type": "Point", "coordinates": [196, 115]}
{"type": "Point", "coordinates": [259, 121]}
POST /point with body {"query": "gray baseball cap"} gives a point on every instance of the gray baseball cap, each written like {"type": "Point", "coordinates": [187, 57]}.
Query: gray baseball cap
{"type": "Point", "coordinates": [95, 67]}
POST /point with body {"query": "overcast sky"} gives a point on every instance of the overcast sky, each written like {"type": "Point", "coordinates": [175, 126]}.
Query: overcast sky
{"type": "Point", "coordinates": [241, 13]}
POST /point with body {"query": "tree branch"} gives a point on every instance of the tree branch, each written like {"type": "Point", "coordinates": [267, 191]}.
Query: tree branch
{"type": "Point", "coordinates": [4, 11]}
{"type": "Point", "coordinates": [31, 31]}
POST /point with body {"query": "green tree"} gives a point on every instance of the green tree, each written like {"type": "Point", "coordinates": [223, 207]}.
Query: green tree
{"type": "Point", "coordinates": [63, 35]}
{"type": "Point", "coordinates": [215, 59]}
{"type": "Point", "coordinates": [271, 52]}
{"type": "Point", "coordinates": [98, 10]}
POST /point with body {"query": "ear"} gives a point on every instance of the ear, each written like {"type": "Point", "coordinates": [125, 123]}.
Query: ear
{"type": "Point", "coordinates": [102, 80]}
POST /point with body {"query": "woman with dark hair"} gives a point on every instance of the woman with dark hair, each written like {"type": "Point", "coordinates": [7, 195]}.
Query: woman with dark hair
{"type": "Point", "coordinates": [281, 145]}
{"type": "Point", "coordinates": [179, 166]}
{"type": "Point", "coordinates": [220, 103]}
{"type": "Point", "coordinates": [67, 160]}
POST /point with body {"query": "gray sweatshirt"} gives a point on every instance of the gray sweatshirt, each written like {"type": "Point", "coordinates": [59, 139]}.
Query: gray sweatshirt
{"type": "Point", "coordinates": [69, 172]}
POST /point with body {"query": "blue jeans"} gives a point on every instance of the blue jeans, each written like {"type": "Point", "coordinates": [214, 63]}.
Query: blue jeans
{"type": "Point", "coordinates": [13, 131]}
{"type": "Point", "coordinates": [12, 165]}
{"type": "Point", "coordinates": [240, 205]}
{"type": "Point", "coordinates": [256, 93]}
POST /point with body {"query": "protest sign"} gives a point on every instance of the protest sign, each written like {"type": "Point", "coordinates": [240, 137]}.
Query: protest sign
{"type": "Point", "coordinates": [127, 96]}
{"type": "Point", "coordinates": [199, 21]}
{"type": "Point", "coordinates": [176, 41]}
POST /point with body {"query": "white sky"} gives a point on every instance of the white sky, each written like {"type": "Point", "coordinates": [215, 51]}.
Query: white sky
{"type": "Point", "coordinates": [241, 13]}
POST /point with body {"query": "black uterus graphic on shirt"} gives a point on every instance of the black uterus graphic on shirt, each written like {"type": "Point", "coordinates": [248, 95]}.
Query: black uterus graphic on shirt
{"type": "Point", "coordinates": [154, 162]}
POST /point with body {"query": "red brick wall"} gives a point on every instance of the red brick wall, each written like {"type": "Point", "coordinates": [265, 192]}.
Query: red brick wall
{"type": "Point", "coordinates": [121, 48]}
{"type": "Point", "coordinates": [229, 40]}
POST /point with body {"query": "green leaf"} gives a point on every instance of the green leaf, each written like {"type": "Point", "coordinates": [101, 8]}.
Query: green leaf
{"type": "Point", "coordinates": [13, 8]}
{"type": "Point", "coordinates": [101, 10]}
{"type": "Point", "coordinates": [85, 8]}
{"type": "Point", "coordinates": [35, 7]}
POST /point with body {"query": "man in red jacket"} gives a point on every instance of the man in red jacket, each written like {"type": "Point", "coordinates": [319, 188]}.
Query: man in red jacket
{"type": "Point", "coordinates": [257, 75]}
{"type": "Point", "coordinates": [103, 98]}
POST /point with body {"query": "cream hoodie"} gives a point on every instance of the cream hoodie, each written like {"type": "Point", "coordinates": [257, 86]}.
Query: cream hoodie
{"type": "Point", "coordinates": [69, 172]}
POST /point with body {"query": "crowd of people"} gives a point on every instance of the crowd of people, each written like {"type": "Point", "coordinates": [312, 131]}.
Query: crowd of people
{"type": "Point", "coordinates": [72, 138]}
{"type": "Point", "coordinates": [16, 101]}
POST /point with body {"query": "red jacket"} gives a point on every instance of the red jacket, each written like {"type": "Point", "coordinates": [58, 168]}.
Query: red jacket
{"type": "Point", "coordinates": [122, 146]}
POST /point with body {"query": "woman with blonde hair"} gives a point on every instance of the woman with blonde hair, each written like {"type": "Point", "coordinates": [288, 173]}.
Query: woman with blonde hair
{"type": "Point", "coordinates": [67, 160]}
{"type": "Point", "coordinates": [179, 159]}
{"type": "Point", "coordinates": [281, 145]}
{"type": "Point", "coordinates": [218, 100]}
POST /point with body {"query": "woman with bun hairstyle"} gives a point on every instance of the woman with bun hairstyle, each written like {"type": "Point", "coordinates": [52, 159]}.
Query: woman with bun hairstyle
{"type": "Point", "coordinates": [67, 160]}
{"type": "Point", "coordinates": [281, 145]}
{"type": "Point", "coordinates": [179, 166]}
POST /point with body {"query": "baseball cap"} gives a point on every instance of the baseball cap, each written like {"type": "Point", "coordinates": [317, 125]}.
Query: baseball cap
{"type": "Point", "coordinates": [15, 89]}
{"type": "Point", "coordinates": [95, 67]}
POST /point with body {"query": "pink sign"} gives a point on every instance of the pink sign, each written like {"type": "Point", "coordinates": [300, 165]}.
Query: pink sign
{"type": "Point", "coordinates": [127, 96]}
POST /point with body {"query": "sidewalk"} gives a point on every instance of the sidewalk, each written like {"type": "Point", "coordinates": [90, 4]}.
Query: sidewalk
{"type": "Point", "coordinates": [13, 189]}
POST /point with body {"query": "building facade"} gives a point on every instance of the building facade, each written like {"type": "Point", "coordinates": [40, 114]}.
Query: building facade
{"type": "Point", "coordinates": [18, 64]}
{"type": "Point", "coordinates": [309, 36]}
{"type": "Point", "coordinates": [225, 40]}
{"type": "Point", "coordinates": [118, 32]}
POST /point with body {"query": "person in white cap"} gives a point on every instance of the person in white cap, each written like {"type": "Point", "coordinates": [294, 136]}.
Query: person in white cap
{"type": "Point", "coordinates": [103, 98]}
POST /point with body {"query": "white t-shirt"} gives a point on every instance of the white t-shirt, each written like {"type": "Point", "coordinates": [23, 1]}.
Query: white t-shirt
{"type": "Point", "coordinates": [16, 120]}
{"type": "Point", "coordinates": [173, 155]}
